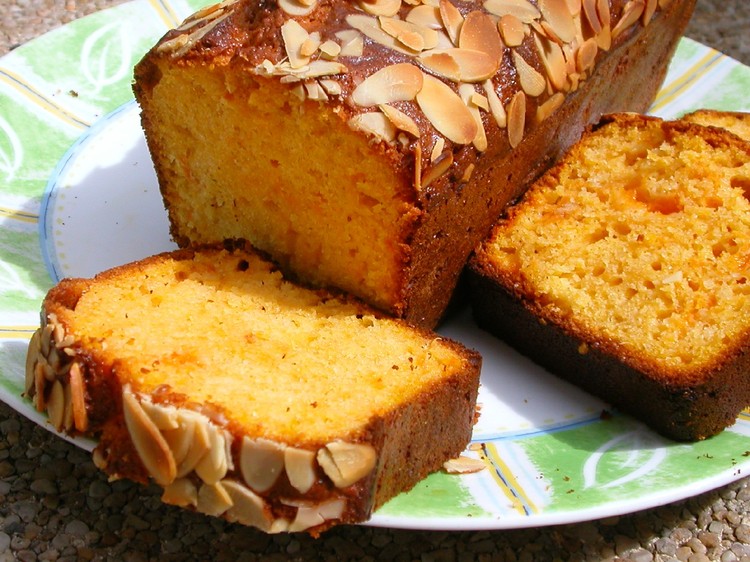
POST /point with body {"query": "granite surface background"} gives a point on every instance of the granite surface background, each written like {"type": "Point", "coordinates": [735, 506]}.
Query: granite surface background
{"type": "Point", "coordinates": [55, 505]}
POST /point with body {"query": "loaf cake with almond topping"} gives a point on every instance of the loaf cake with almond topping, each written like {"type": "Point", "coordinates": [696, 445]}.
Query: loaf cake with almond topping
{"type": "Point", "coordinates": [625, 270]}
{"type": "Point", "coordinates": [369, 145]}
{"type": "Point", "coordinates": [245, 395]}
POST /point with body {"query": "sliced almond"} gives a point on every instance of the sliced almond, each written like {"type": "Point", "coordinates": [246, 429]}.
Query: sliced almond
{"type": "Point", "coordinates": [649, 11]}
{"type": "Point", "coordinates": [532, 81]}
{"type": "Point", "coordinates": [479, 33]}
{"type": "Point", "coordinates": [553, 60]}
{"type": "Point", "coordinates": [512, 30]}
{"type": "Point", "coordinates": [467, 92]}
{"type": "Point", "coordinates": [148, 442]}
{"type": "Point", "coordinates": [445, 110]}
{"type": "Point", "coordinates": [352, 43]}
{"type": "Point", "coordinates": [330, 49]}
{"type": "Point", "coordinates": [370, 27]}
{"type": "Point", "coordinates": [261, 462]}
{"type": "Point", "coordinates": [213, 499]}
{"type": "Point", "coordinates": [40, 384]}
{"type": "Point", "coordinates": [557, 14]}
{"type": "Point", "coordinates": [247, 508]}
{"type": "Point", "coordinates": [181, 492]}
{"type": "Point", "coordinates": [296, 7]}
{"type": "Point", "coordinates": [516, 118]}
{"type": "Point", "coordinates": [549, 106]}
{"type": "Point", "coordinates": [437, 149]}
{"type": "Point", "coordinates": [574, 6]}
{"type": "Point", "coordinates": [346, 463]}
{"type": "Point", "coordinates": [294, 37]}
{"type": "Point", "coordinates": [164, 417]}
{"type": "Point", "coordinates": [464, 465]}
{"type": "Point", "coordinates": [331, 87]}
{"type": "Point", "coordinates": [315, 91]}
{"type": "Point", "coordinates": [310, 45]}
{"type": "Point", "coordinates": [413, 36]}
{"type": "Point", "coordinates": [381, 7]}
{"type": "Point", "coordinates": [300, 468]}
{"type": "Point", "coordinates": [631, 13]}
{"type": "Point", "coordinates": [396, 82]}
{"type": "Point", "coordinates": [68, 422]}
{"type": "Point", "coordinates": [32, 357]}
{"type": "Point", "coordinates": [314, 515]}
{"type": "Point", "coordinates": [452, 19]}
{"type": "Point", "coordinates": [78, 397]}
{"type": "Point", "coordinates": [425, 16]}
{"type": "Point", "coordinates": [522, 9]}
{"type": "Point", "coordinates": [212, 466]}
{"type": "Point", "coordinates": [589, 10]}
{"type": "Point", "coordinates": [439, 167]}
{"type": "Point", "coordinates": [459, 65]}
{"type": "Point", "coordinates": [604, 36]}
{"type": "Point", "coordinates": [586, 55]}
{"type": "Point", "coordinates": [375, 124]}
{"type": "Point", "coordinates": [56, 406]}
{"type": "Point", "coordinates": [496, 106]}
{"type": "Point", "coordinates": [400, 119]}
{"type": "Point", "coordinates": [199, 444]}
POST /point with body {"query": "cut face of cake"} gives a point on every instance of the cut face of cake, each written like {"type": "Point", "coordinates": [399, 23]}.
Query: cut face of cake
{"type": "Point", "coordinates": [246, 396]}
{"type": "Point", "coordinates": [625, 270]}
{"type": "Point", "coordinates": [370, 145]}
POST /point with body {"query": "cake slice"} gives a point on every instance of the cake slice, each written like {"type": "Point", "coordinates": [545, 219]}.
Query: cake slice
{"type": "Point", "coordinates": [247, 396]}
{"type": "Point", "coordinates": [625, 269]}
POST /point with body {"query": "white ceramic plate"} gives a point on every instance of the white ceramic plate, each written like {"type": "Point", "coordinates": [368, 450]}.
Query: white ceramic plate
{"type": "Point", "coordinates": [78, 195]}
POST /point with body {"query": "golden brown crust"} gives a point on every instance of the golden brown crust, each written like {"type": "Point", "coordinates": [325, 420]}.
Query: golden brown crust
{"type": "Point", "coordinates": [206, 457]}
{"type": "Point", "coordinates": [686, 399]}
{"type": "Point", "coordinates": [470, 180]}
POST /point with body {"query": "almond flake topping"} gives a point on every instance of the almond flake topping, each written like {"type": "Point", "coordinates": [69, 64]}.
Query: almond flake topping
{"type": "Point", "coordinates": [352, 43]}
{"type": "Point", "coordinates": [261, 462]}
{"type": "Point", "coordinates": [375, 124]}
{"type": "Point", "coordinates": [425, 16]}
{"type": "Point", "coordinates": [557, 14]}
{"type": "Point", "coordinates": [522, 9]}
{"type": "Point", "coordinates": [496, 106]}
{"type": "Point", "coordinates": [467, 92]}
{"type": "Point", "coordinates": [589, 9]}
{"type": "Point", "coordinates": [479, 33]}
{"type": "Point", "coordinates": [459, 65]}
{"type": "Point", "coordinates": [649, 11]}
{"type": "Point", "coordinates": [631, 13]}
{"type": "Point", "coordinates": [370, 27]}
{"type": "Point", "coordinates": [553, 61]}
{"type": "Point", "coordinates": [346, 463]}
{"type": "Point", "coordinates": [464, 465]}
{"type": "Point", "coordinates": [151, 447]}
{"type": "Point", "coordinates": [400, 119]}
{"type": "Point", "coordinates": [532, 81]}
{"type": "Point", "coordinates": [413, 36]}
{"type": "Point", "coordinates": [445, 110]}
{"type": "Point", "coordinates": [516, 118]}
{"type": "Point", "coordinates": [381, 7]}
{"type": "Point", "coordinates": [512, 30]}
{"type": "Point", "coordinates": [296, 7]}
{"type": "Point", "coordinates": [452, 20]}
{"type": "Point", "coordinates": [397, 82]}
{"type": "Point", "coordinates": [441, 165]}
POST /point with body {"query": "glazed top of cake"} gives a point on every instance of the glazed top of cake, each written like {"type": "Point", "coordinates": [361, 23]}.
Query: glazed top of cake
{"type": "Point", "coordinates": [433, 79]}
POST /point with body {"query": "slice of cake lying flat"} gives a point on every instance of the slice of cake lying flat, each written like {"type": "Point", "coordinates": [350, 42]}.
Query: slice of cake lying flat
{"type": "Point", "coordinates": [370, 145]}
{"type": "Point", "coordinates": [626, 270]}
{"type": "Point", "coordinates": [246, 396]}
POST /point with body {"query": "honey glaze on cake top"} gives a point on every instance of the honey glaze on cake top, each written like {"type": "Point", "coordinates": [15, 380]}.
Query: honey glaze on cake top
{"type": "Point", "coordinates": [640, 237]}
{"type": "Point", "coordinates": [429, 78]}
{"type": "Point", "coordinates": [280, 361]}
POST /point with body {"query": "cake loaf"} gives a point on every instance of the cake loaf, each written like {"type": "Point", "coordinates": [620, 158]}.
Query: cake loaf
{"type": "Point", "coordinates": [737, 122]}
{"type": "Point", "coordinates": [369, 145]}
{"type": "Point", "coordinates": [246, 396]}
{"type": "Point", "coordinates": [625, 270]}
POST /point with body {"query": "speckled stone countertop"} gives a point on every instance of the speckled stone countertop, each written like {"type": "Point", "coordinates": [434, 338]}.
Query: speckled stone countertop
{"type": "Point", "coordinates": [54, 504]}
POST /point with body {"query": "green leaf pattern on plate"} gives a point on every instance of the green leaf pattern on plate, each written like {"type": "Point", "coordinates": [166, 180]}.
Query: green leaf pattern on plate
{"type": "Point", "coordinates": [54, 88]}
